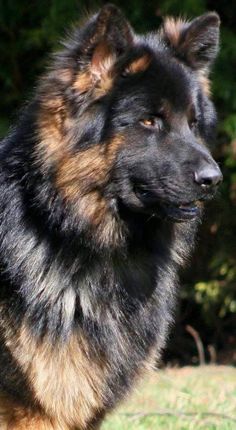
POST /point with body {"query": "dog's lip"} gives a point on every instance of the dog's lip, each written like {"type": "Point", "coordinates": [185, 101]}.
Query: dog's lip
{"type": "Point", "coordinates": [181, 211]}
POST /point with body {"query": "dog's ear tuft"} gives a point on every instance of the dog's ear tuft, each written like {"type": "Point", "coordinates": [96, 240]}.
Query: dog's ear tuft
{"type": "Point", "coordinates": [111, 23]}
{"type": "Point", "coordinates": [195, 43]}
{"type": "Point", "coordinates": [106, 38]}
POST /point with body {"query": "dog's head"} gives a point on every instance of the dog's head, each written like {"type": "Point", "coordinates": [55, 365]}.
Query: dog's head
{"type": "Point", "coordinates": [126, 121]}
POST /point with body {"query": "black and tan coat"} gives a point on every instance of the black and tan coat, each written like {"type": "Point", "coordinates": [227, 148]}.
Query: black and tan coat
{"type": "Point", "coordinates": [100, 197]}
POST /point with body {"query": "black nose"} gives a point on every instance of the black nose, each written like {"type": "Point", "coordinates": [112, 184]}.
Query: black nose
{"type": "Point", "coordinates": [208, 176]}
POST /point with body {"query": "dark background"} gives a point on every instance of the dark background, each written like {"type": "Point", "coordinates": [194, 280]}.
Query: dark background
{"type": "Point", "coordinates": [30, 30]}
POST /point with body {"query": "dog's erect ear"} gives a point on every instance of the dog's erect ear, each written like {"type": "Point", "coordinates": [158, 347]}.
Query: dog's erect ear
{"type": "Point", "coordinates": [107, 37]}
{"type": "Point", "coordinates": [195, 43]}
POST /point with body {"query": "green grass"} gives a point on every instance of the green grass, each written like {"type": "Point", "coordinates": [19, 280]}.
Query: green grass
{"type": "Point", "coordinates": [201, 398]}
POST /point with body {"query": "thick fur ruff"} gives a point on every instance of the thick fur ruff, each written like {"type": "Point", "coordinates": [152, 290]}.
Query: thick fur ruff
{"type": "Point", "coordinates": [96, 188]}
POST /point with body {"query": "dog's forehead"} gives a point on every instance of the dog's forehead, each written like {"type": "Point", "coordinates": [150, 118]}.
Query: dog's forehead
{"type": "Point", "coordinates": [168, 79]}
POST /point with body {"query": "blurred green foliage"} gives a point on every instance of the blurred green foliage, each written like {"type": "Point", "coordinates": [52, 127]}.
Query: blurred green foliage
{"type": "Point", "coordinates": [30, 30]}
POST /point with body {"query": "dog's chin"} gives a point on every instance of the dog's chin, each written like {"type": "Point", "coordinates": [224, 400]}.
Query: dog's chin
{"type": "Point", "coordinates": [144, 203]}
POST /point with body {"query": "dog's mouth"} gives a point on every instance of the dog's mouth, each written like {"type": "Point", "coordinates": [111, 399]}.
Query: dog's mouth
{"type": "Point", "coordinates": [177, 212]}
{"type": "Point", "coordinates": [182, 212]}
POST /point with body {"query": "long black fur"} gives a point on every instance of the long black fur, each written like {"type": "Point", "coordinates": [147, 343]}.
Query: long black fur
{"type": "Point", "coordinates": [57, 275]}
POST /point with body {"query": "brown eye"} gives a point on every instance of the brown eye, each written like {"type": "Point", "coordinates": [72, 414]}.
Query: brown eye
{"type": "Point", "coordinates": [152, 122]}
{"type": "Point", "coordinates": [148, 122]}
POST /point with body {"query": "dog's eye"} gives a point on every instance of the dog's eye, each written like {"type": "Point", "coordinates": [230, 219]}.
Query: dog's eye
{"type": "Point", "coordinates": [152, 122]}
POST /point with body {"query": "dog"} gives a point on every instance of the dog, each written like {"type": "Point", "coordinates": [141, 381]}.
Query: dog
{"type": "Point", "coordinates": [102, 185]}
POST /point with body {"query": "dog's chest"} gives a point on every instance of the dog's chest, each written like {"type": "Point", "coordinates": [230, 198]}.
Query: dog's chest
{"type": "Point", "coordinates": [66, 383]}
{"type": "Point", "coordinates": [69, 384]}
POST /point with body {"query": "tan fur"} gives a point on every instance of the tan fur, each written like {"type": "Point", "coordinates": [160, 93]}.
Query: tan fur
{"type": "Point", "coordinates": [20, 419]}
{"type": "Point", "coordinates": [15, 417]}
{"type": "Point", "coordinates": [67, 383]}
{"type": "Point", "coordinates": [54, 122]}
{"type": "Point", "coordinates": [82, 82]}
{"type": "Point", "coordinates": [139, 65]}
{"type": "Point", "coordinates": [65, 75]}
{"type": "Point", "coordinates": [205, 83]}
{"type": "Point", "coordinates": [98, 77]}
{"type": "Point", "coordinates": [84, 172]}
{"type": "Point", "coordinates": [76, 172]}
{"type": "Point", "coordinates": [51, 121]}
{"type": "Point", "coordinates": [97, 82]}
{"type": "Point", "coordinates": [105, 84]}
{"type": "Point", "coordinates": [173, 29]}
{"type": "Point", "coordinates": [81, 178]}
{"type": "Point", "coordinates": [102, 73]}
{"type": "Point", "coordinates": [151, 361]}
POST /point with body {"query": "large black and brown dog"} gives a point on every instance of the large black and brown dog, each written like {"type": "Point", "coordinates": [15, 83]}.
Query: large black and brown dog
{"type": "Point", "coordinates": [102, 185]}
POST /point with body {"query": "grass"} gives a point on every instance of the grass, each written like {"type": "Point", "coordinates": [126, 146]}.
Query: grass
{"type": "Point", "coordinates": [202, 398]}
